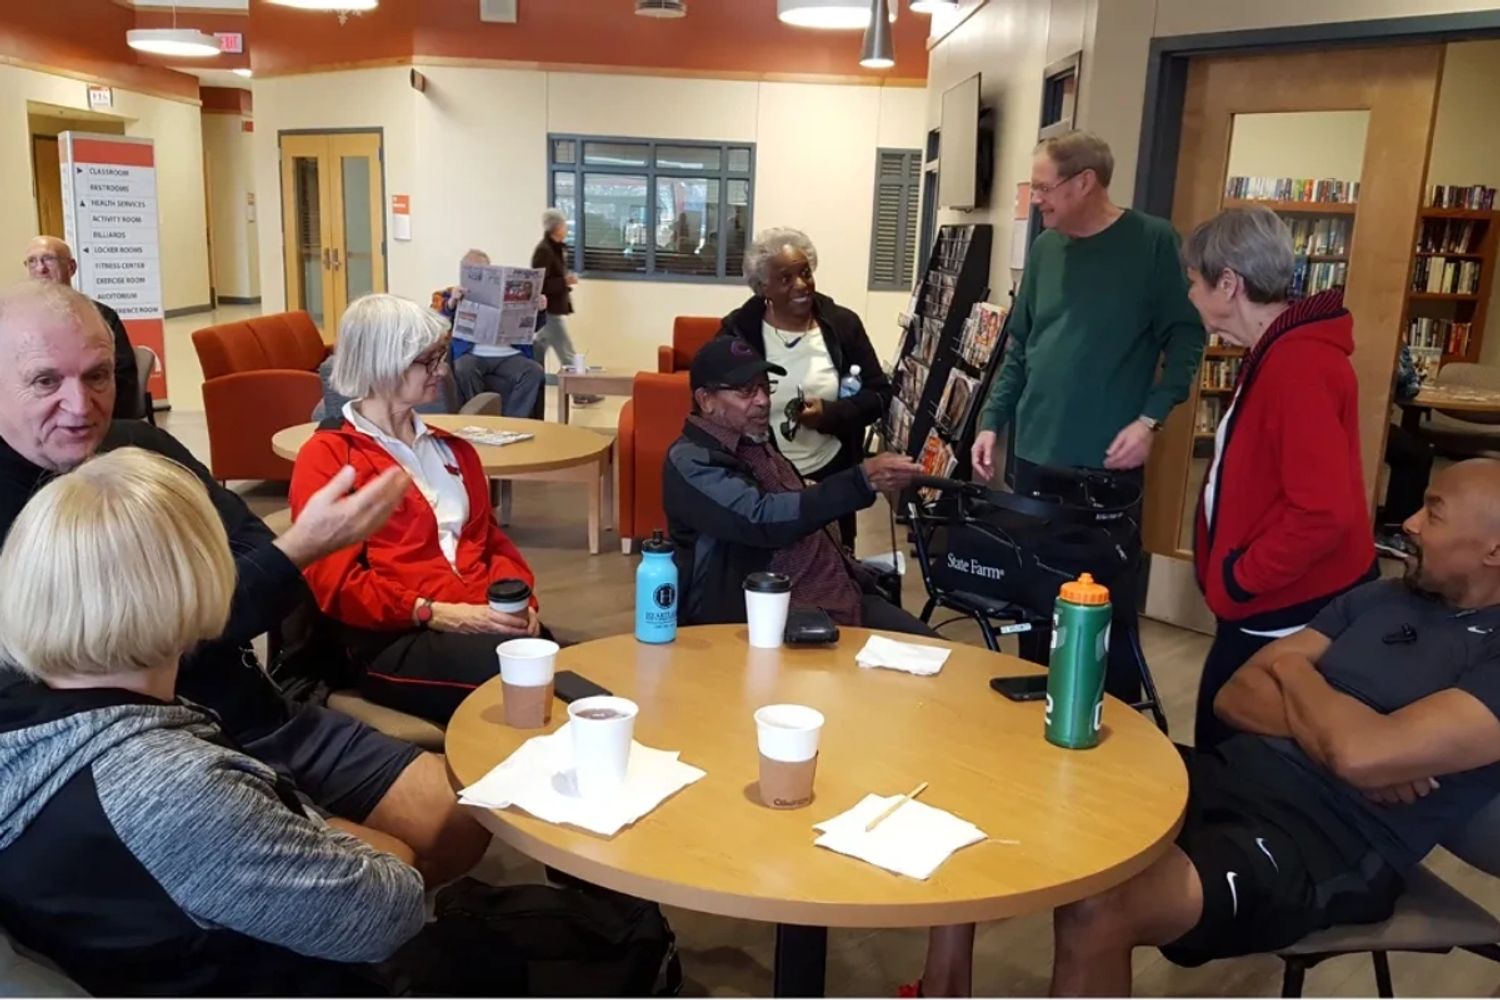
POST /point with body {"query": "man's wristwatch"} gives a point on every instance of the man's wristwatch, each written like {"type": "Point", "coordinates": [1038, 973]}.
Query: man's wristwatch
{"type": "Point", "coordinates": [422, 613]}
{"type": "Point", "coordinates": [1152, 424]}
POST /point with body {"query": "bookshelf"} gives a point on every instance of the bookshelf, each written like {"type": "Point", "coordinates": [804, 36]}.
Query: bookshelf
{"type": "Point", "coordinates": [1450, 280]}
{"type": "Point", "coordinates": [1321, 216]}
{"type": "Point", "coordinates": [948, 354]}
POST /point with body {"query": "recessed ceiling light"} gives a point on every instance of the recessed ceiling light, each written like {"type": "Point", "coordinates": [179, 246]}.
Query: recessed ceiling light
{"type": "Point", "coordinates": [187, 43]}
{"type": "Point", "coordinates": [847, 15]}
{"type": "Point", "coordinates": [661, 8]}
{"type": "Point", "coordinates": [932, 6]}
{"type": "Point", "coordinates": [243, 71]}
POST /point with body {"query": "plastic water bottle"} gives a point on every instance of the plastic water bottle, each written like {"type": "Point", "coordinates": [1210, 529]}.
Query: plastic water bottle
{"type": "Point", "coordinates": [1075, 673]}
{"type": "Point", "coordinates": [656, 592]}
{"type": "Point", "coordinates": [850, 384]}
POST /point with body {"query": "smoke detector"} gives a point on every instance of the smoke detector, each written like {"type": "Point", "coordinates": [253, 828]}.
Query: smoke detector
{"type": "Point", "coordinates": [661, 8]}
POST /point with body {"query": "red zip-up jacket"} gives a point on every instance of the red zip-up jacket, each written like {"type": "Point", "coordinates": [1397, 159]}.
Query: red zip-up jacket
{"type": "Point", "coordinates": [1290, 524]}
{"type": "Point", "coordinates": [376, 584]}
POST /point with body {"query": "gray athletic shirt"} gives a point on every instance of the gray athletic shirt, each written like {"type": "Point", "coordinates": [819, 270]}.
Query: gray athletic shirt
{"type": "Point", "coordinates": [1392, 647]}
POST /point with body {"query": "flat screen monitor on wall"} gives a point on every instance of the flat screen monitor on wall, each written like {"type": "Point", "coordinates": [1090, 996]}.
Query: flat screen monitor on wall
{"type": "Point", "coordinates": [958, 158]}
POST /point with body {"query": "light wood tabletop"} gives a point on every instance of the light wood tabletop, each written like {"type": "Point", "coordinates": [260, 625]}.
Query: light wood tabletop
{"type": "Point", "coordinates": [556, 451]}
{"type": "Point", "coordinates": [1463, 402]}
{"type": "Point", "coordinates": [596, 382]}
{"type": "Point", "coordinates": [1086, 820]}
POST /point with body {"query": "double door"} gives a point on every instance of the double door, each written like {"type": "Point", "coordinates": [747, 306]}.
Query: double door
{"type": "Point", "coordinates": [333, 222]}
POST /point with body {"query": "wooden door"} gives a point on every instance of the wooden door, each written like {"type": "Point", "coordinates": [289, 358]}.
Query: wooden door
{"type": "Point", "coordinates": [1398, 87]}
{"type": "Point", "coordinates": [357, 222]}
{"type": "Point", "coordinates": [306, 218]}
{"type": "Point", "coordinates": [47, 172]}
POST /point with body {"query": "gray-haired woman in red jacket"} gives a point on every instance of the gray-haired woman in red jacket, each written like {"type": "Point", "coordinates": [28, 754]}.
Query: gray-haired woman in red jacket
{"type": "Point", "coordinates": [1283, 521]}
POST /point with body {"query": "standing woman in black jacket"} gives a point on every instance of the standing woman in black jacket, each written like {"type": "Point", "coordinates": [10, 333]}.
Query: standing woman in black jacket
{"type": "Point", "coordinates": [819, 343]}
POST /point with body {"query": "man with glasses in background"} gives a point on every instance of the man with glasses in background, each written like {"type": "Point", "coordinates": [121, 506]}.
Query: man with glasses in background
{"type": "Point", "coordinates": [736, 506]}
{"type": "Point", "coordinates": [50, 259]}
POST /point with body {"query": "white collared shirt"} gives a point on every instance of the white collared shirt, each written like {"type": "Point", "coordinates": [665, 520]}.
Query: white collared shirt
{"type": "Point", "coordinates": [434, 469]}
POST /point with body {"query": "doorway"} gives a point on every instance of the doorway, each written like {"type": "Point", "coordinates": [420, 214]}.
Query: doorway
{"type": "Point", "coordinates": [333, 222]}
{"type": "Point", "coordinates": [43, 123]}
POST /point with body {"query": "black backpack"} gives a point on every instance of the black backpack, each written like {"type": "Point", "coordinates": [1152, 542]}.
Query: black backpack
{"type": "Point", "coordinates": [543, 940]}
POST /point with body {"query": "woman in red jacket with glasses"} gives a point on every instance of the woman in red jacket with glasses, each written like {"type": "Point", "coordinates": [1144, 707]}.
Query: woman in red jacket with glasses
{"type": "Point", "coordinates": [1283, 522]}
{"type": "Point", "coordinates": [412, 601]}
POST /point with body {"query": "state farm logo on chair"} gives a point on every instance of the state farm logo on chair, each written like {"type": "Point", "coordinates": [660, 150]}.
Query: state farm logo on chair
{"type": "Point", "coordinates": [975, 568]}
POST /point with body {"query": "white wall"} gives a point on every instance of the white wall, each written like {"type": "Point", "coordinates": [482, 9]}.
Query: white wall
{"type": "Point", "coordinates": [471, 153]}
{"type": "Point", "coordinates": [175, 127]}
{"type": "Point", "coordinates": [1313, 144]}
{"type": "Point", "coordinates": [229, 159]}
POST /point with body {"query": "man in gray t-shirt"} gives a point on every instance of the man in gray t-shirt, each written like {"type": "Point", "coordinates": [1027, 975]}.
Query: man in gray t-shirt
{"type": "Point", "coordinates": [1365, 740]}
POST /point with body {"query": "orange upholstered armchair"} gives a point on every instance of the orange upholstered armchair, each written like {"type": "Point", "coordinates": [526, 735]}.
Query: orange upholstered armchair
{"type": "Point", "coordinates": [259, 376]}
{"type": "Point", "coordinates": [649, 422]}
{"type": "Point", "coordinates": [688, 334]}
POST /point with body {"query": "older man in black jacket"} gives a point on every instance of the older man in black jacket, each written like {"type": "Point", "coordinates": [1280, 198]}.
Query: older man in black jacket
{"type": "Point", "coordinates": [736, 506]}
{"type": "Point", "coordinates": [56, 395]}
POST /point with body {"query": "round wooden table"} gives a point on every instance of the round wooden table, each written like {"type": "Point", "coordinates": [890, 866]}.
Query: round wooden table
{"type": "Point", "coordinates": [1086, 820]}
{"type": "Point", "coordinates": [556, 451]}
{"type": "Point", "coordinates": [1461, 402]}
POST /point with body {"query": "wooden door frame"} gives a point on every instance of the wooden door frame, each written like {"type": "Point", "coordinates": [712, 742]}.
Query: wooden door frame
{"type": "Point", "coordinates": [1169, 57]}
{"type": "Point", "coordinates": [286, 206]}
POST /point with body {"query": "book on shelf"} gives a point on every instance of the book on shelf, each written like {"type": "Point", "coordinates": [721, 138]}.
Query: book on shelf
{"type": "Point", "coordinates": [1210, 412]}
{"type": "Point", "coordinates": [1320, 237]}
{"type": "Point", "coordinates": [1475, 197]}
{"type": "Point", "coordinates": [1436, 337]}
{"type": "Point", "coordinates": [1326, 190]}
{"type": "Point", "coordinates": [981, 335]}
{"type": "Point", "coordinates": [1312, 277]}
{"type": "Point", "coordinates": [1220, 373]}
{"type": "Point", "coordinates": [1215, 340]}
{"type": "Point", "coordinates": [1450, 236]}
{"type": "Point", "coordinates": [1445, 276]}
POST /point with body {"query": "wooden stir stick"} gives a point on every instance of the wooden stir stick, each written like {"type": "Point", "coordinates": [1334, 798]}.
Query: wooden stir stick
{"type": "Point", "coordinates": [903, 800]}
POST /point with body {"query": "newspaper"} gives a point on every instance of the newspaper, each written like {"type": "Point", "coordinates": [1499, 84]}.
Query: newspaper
{"type": "Point", "coordinates": [499, 306]}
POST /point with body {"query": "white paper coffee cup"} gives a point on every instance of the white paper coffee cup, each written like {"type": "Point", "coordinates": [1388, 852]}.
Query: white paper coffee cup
{"type": "Point", "coordinates": [788, 733]}
{"type": "Point", "coordinates": [602, 727]}
{"type": "Point", "coordinates": [768, 599]}
{"type": "Point", "coordinates": [527, 662]}
{"type": "Point", "coordinates": [580, 363]}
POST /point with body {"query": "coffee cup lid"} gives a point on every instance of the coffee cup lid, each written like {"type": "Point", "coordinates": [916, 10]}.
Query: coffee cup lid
{"type": "Point", "coordinates": [768, 583]}
{"type": "Point", "coordinates": [506, 591]}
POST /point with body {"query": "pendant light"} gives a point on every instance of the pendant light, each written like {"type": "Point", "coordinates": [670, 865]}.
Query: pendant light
{"type": "Point", "coordinates": [848, 15]}
{"type": "Point", "coordinates": [933, 6]}
{"type": "Point", "coordinates": [185, 43]}
{"type": "Point", "coordinates": [878, 52]}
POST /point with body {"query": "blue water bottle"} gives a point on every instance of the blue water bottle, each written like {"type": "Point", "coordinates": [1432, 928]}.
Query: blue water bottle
{"type": "Point", "coordinates": [851, 384]}
{"type": "Point", "coordinates": [656, 592]}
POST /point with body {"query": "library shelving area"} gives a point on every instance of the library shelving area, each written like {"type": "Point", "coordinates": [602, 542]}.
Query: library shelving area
{"type": "Point", "coordinates": [1453, 272]}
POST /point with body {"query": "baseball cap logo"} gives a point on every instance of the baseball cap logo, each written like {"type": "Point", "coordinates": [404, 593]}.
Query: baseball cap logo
{"type": "Point", "coordinates": [740, 349]}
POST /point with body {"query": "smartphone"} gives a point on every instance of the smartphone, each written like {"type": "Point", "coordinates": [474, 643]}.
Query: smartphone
{"type": "Point", "coordinates": [1032, 687]}
{"type": "Point", "coordinates": [569, 687]}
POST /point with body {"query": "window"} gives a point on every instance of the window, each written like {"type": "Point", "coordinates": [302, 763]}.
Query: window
{"type": "Point", "coordinates": [893, 236]}
{"type": "Point", "coordinates": [649, 208]}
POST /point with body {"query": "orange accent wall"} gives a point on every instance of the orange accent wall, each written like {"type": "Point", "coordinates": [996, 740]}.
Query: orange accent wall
{"type": "Point", "coordinates": [730, 37]}
{"type": "Point", "coordinates": [85, 37]}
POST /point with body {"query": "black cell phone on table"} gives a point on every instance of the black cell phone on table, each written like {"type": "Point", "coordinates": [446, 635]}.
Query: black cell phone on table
{"type": "Point", "coordinates": [569, 687]}
{"type": "Point", "coordinates": [1032, 687]}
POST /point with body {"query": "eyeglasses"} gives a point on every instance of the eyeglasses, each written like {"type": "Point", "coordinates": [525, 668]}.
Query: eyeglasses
{"type": "Point", "coordinates": [49, 259]}
{"type": "Point", "coordinates": [749, 391]}
{"type": "Point", "coordinates": [435, 360]}
{"type": "Point", "coordinates": [1043, 190]}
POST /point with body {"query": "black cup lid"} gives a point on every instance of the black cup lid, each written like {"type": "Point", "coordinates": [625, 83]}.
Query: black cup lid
{"type": "Point", "coordinates": [509, 591]}
{"type": "Point", "coordinates": [657, 545]}
{"type": "Point", "coordinates": [768, 583]}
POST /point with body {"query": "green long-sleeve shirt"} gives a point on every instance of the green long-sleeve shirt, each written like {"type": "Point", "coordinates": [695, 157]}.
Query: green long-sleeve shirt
{"type": "Point", "coordinates": [1093, 321]}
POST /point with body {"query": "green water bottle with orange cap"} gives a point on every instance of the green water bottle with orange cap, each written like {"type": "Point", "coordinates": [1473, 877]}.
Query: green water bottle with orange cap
{"type": "Point", "coordinates": [1080, 655]}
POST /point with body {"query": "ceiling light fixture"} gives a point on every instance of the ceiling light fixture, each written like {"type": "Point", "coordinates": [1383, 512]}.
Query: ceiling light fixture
{"type": "Point", "coordinates": [847, 15]}
{"type": "Point", "coordinates": [878, 52]}
{"type": "Point", "coordinates": [661, 8]}
{"type": "Point", "coordinates": [336, 6]}
{"type": "Point", "coordinates": [932, 6]}
{"type": "Point", "coordinates": [243, 71]}
{"type": "Point", "coordinates": [186, 43]}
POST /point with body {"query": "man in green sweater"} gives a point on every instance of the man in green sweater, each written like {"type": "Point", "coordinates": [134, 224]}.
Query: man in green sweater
{"type": "Point", "coordinates": [1103, 304]}
{"type": "Point", "coordinates": [1102, 308]}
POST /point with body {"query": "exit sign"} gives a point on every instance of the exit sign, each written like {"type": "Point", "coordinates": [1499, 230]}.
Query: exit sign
{"type": "Point", "coordinates": [100, 98]}
{"type": "Point", "coordinates": [230, 42]}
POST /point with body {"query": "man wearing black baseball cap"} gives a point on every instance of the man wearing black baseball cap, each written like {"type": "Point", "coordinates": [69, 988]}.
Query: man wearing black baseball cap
{"type": "Point", "coordinates": [736, 506]}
